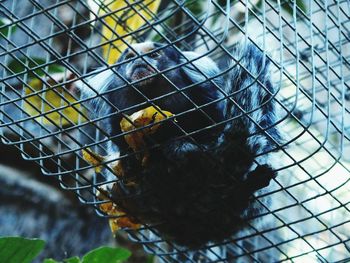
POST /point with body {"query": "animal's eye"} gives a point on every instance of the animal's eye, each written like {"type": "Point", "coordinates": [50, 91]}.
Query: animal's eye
{"type": "Point", "coordinates": [129, 55]}
{"type": "Point", "coordinates": [154, 54]}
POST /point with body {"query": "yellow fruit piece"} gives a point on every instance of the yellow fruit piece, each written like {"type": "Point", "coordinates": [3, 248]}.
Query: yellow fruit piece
{"type": "Point", "coordinates": [107, 208]}
{"type": "Point", "coordinates": [140, 119]}
{"type": "Point", "coordinates": [97, 160]}
{"type": "Point", "coordinates": [117, 168]}
{"type": "Point", "coordinates": [93, 159]}
{"type": "Point", "coordinates": [120, 222]}
{"type": "Point", "coordinates": [127, 222]}
{"type": "Point", "coordinates": [124, 17]}
{"type": "Point", "coordinates": [113, 225]}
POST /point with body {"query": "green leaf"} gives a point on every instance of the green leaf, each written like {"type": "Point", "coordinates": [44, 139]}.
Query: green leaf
{"type": "Point", "coordinates": [197, 7]}
{"type": "Point", "coordinates": [156, 38]}
{"type": "Point", "coordinates": [50, 260]}
{"type": "Point", "coordinates": [287, 6]}
{"type": "Point", "coordinates": [21, 65]}
{"type": "Point", "coordinates": [18, 249]}
{"type": "Point", "coordinates": [72, 260]}
{"type": "Point", "coordinates": [106, 255]}
{"type": "Point", "coordinates": [68, 260]}
{"type": "Point", "coordinates": [301, 5]}
{"type": "Point", "coordinates": [150, 259]}
{"type": "Point", "coordinates": [6, 29]}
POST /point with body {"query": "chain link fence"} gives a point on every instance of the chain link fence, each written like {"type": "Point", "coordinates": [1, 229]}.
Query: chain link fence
{"type": "Point", "coordinates": [50, 49]}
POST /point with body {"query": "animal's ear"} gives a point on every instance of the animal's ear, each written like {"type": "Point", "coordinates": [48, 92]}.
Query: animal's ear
{"type": "Point", "coordinates": [198, 67]}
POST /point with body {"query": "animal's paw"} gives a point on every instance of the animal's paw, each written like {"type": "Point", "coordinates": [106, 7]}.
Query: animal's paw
{"type": "Point", "coordinates": [260, 177]}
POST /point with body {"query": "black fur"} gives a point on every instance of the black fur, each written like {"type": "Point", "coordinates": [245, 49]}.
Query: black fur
{"type": "Point", "coordinates": [199, 189]}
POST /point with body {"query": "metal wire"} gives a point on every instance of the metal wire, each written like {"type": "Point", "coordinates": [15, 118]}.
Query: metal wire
{"type": "Point", "coordinates": [308, 45]}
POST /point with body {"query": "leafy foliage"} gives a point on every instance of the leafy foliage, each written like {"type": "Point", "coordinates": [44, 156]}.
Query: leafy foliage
{"type": "Point", "coordinates": [18, 249]}
{"type": "Point", "coordinates": [106, 254]}
{"type": "Point", "coordinates": [122, 21]}
{"type": "Point", "coordinates": [288, 5]}
{"type": "Point", "coordinates": [33, 64]}
{"type": "Point", "coordinates": [5, 28]}
{"type": "Point", "coordinates": [53, 105]}
{"type": "Point", "coordinates": [24, 250]}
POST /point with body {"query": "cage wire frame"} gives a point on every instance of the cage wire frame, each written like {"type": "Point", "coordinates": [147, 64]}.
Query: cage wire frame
{"type": "Point", "coordinates": [309, 50]}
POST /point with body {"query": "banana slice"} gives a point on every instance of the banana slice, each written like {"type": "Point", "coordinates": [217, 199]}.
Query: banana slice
{"type": "Point", "coordinates": [139, 119]}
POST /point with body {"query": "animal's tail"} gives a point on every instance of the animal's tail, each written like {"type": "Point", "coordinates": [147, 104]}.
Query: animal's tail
{"type": "Point", "coordinates": [252, 100]}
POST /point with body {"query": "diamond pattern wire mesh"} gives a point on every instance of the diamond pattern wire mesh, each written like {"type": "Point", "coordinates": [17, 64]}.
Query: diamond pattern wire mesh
{"type": "Point", "coordinates": [308, 45]}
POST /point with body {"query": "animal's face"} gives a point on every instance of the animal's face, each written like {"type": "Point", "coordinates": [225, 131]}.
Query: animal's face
{"type": "Point", "coordinates": [141, 63]}
{"type": "Point", "coordinates": [145, 60]}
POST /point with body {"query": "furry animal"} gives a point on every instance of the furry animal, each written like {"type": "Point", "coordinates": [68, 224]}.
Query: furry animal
{"type": "Point", "coordinates": [199, 182]}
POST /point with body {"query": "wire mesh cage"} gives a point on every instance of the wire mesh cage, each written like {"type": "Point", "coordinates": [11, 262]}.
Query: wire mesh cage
{"type": "Point", "coordinates": [54, 51]}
